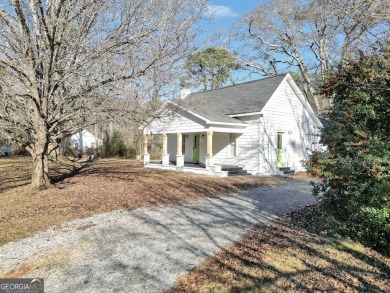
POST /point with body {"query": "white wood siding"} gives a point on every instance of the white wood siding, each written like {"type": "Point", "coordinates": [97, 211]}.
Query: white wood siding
{"type": "Point", "coordinates": [171, 139]}
{"type": "Point", "coordinates": [284, 112]}
{"type": "Point", "coordinates": [188, 145]}
{"type": "Point", "coordinates": [220, 147]}
{"type": "Point", "coordinates": [176, 123]}
{"type": "Point", "coordinates": [84, 140]}
{"type": "Point", "coordinates": [247, 152]}
{"type": "Point", "coordinates": [247, 146]}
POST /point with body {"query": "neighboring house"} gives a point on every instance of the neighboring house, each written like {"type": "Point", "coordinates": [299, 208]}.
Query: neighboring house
{"type": "Point", "coordinates": [264, 126]}
{"type": "Point", "coordinates": [84, 140]}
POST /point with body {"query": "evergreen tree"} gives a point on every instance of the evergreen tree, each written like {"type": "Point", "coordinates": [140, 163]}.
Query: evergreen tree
{"type": "Point", "coordinates": [210, 68]}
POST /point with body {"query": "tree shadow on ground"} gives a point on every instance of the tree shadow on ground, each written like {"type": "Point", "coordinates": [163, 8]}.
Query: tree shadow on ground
{"type": "Point", "coordinates": [67, 172]}
{"type": "Point", "coordinates": [282, 257]}
{"type": "Point", "coordinates": [14, 173]}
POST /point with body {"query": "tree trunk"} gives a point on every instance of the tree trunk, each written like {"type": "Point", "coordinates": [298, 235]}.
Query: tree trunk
{"type": "Point", "coordinates": [40, 155]}
{"type": "Point", "coordinates": [40, 172]}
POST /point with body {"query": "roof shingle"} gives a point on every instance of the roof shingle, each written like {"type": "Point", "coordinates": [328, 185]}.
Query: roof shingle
{"type": "Point", "coordinates": [249, 97]}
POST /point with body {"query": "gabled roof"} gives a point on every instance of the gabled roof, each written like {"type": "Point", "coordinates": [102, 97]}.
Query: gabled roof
{"type": "Point", "coordinates": [249, 97]}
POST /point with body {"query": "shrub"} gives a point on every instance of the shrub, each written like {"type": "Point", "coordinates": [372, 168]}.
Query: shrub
{"type": "Point", "coordinates": [115, 146]}
{"type": "Point", "coordinates": [355, 171]}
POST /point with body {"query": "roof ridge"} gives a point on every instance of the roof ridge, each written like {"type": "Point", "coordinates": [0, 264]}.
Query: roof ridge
{"type": "Point", "coordinates": [246, 82]}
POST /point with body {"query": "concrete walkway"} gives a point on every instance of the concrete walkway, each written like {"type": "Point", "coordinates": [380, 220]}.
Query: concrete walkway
{"type": "Point", "coordinates": [146, 249]}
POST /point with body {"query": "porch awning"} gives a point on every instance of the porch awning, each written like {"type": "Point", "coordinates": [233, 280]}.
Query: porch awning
{"type": "Point", "coordinates": [185, 121]}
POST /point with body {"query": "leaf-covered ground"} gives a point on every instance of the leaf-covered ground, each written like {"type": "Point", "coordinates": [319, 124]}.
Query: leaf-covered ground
{"type": "Point", "coordinates": [83, 189]}
{"type": "Point", "coordinates": [285, 257]}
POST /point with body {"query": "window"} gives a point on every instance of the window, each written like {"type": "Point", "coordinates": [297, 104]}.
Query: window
{"type": "Point", "coordinates": [183, 145]}
{"type": "Point", "coordinates": [232, 145]}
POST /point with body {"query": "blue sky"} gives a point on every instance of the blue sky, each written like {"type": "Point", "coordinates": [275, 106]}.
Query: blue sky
{"type": "Point", "coordinates": [224, 14]}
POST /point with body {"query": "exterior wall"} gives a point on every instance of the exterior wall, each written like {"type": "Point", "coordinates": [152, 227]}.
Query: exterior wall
{"type": "Point", "coordinates": [220, 147]}
{"type": "Point", "coordinates": [247, 146]}
{"type": "Point", "coordinates": [176, 123]}
{"type": "Point", "coordinates": [84, 139]}
{"type": "Point", "coordinates": [188, 146]}
{"type": "Point", "coordinates": [284, 112]}
{"type": "Point", "coordinates": [171, 140]}
{"type": "Point", "coordinates": [202, 147]}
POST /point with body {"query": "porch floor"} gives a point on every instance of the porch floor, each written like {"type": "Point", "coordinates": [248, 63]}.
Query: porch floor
{"type": "Point", "coordinates": [224, 170]}
{"type": "Point", "coordinates": [189, 165]}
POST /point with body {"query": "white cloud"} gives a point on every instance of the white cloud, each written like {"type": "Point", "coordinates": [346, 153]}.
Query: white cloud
{"type": "Point", "coordinates": [217, 11]}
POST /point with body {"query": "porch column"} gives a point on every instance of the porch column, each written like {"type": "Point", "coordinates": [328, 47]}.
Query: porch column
{"type": "Point", "coordinates": [165, 155]}
{"type": "Point", "coordinates": [146, 154]}
{"type": "Point", "coordinates": [179, 155]}
{"type": "Point", "coordinates": [209, 150]}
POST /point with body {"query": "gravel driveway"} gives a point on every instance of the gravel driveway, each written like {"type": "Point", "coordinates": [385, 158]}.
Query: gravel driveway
{"type": "Point", "coordinates": [146, 249]}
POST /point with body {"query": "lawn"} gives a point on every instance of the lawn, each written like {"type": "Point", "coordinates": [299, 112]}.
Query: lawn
{"type": "Point", "coordinates": [280, 257]}
{"type": "Point", "coordinates": [283, 257]}
{"type": "Point", "coordinates": [83, 189]}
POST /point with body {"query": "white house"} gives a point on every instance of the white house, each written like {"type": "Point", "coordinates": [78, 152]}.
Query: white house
{"type": "Point", "coordinates": [84, 140]}
{"type": "Point", "coordinates": [265, 127]}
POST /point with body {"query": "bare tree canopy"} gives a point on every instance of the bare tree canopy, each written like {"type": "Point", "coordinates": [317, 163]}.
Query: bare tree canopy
{"type": "Point", "coordinates": [310, 36]}
{"type": "Point", "coordinates": [61, 61]}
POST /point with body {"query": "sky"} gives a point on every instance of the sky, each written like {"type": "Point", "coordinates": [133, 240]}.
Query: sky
{"type": "Point", "coordinates": [225, 13]}
{"type": "Point", "coordinates": [228, 11]}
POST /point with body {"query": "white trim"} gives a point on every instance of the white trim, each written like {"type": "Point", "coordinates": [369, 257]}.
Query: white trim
{"type": "Point", "coordinates": [226, 130]}
{"type": "Point", "coordinates": [300, 95]}
{"type": "Point", "coordinates": [204, 130]}
{"type": "Point", "coordinates": [229, 124]}
{"type": "Point", "coordinates": [188, 111]}
{"type": "Point", "coordinates": [304, 102]}
{"type": "Point", "coordinates": [150, 120]}
{"type": "Point", "coordinates": [245, 114]}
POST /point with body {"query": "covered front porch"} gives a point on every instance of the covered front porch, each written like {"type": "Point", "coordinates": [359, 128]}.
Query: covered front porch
{"type": "Point", "coordinates": [196, 152]}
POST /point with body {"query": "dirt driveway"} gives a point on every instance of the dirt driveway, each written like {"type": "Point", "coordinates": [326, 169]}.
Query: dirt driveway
{"type": "Point", "coordinates": [146, 249]}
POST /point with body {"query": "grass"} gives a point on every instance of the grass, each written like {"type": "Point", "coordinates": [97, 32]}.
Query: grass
{"type": "Point", "coordinates": [281, 257]}
{"type": "Point", "coordinates": [84, 189]}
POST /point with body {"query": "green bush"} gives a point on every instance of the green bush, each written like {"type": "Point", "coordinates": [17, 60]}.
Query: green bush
{"type": "Point", "coordinates": [115, 146]}
{"type": "Point", "coordinates": [355, 171]}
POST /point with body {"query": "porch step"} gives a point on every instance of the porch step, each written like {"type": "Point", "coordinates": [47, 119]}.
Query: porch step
{"type": "Point", "coordinates": [234, 170]}
{"type": "Point", "coordinates": [287, 170]}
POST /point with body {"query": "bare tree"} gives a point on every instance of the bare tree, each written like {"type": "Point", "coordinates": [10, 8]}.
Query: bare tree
{"type": "Point", "coordinates": [310, 36]}
{"type": "Point", "coordinates": [62, 62]}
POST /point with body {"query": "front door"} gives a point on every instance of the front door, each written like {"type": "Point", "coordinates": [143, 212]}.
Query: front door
{"type": "Point", "coordinates": [195, 149]}
{"type": "Point", "coordinates": [279, 150]}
